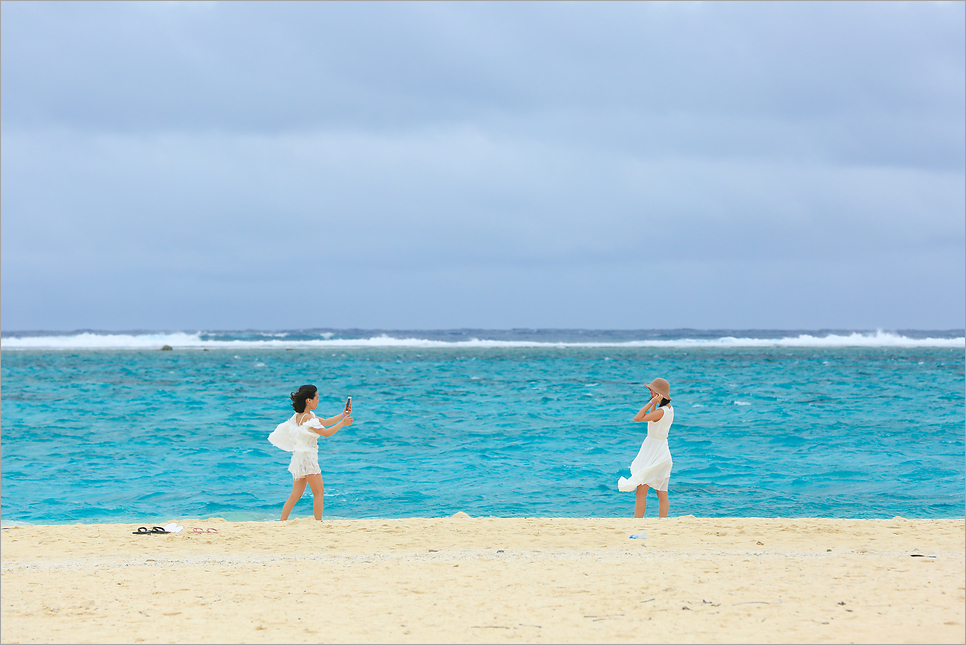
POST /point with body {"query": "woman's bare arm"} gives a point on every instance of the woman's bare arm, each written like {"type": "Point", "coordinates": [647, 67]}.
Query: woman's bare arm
{"type": "Point", "coordinates": [328, 432]}
{"type": "Point", "coordinates": [331, 420]}
{"type": "Point", "coordinates": [649, 412]}
{"type": "Point", "coordinates": [655, 415]}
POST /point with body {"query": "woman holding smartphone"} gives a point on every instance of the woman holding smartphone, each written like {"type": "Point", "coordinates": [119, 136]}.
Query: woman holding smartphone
{"type": "Point", "coordinates": [299, 435]}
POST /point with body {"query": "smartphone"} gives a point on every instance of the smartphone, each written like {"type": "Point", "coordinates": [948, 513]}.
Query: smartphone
{"type": "Point", "coordinates": [348, 406]}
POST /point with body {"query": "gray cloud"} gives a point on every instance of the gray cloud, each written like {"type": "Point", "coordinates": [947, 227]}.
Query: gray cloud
{"type": "Point", "coordinates": [439, 165]}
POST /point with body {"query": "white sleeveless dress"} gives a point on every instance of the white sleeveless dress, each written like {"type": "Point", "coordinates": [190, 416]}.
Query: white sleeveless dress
{"type": "Point", "coordinates": [301, 442]}
{"type": "Point", "coordinates": [652, 466]}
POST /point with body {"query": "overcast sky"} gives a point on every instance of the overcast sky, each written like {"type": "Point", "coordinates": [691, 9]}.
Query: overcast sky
{"type": "Point", "coordinates": [185, 166]}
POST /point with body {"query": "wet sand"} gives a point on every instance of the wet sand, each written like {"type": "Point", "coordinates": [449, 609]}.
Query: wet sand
{"type": "Point", "coordinates": [466, 579]}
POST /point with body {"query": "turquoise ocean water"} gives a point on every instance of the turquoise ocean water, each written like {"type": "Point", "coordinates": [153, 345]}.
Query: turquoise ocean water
{"type": "Point", "coordinates": [103, 427]}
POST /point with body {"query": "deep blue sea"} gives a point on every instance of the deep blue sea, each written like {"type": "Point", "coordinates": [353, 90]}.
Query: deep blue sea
{"type": "Point", "coordinates": [100, 427]}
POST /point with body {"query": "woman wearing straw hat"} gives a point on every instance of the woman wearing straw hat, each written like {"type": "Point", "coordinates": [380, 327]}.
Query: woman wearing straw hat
{"type": "Point", "coordinates": [652, 466]}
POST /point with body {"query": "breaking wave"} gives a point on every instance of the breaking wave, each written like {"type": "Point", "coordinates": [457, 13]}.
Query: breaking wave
{"type": "Point", "coordinates": [93, 340]}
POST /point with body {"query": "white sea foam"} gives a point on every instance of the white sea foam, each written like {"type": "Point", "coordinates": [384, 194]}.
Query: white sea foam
{"type": "Point", "coordinates": [184, 340]}
{"type": "Point", "coordinates": [93, 340]}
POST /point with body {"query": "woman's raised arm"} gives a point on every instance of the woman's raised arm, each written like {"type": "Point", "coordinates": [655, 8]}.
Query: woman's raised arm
{"type": "Point", "coordinates": [331, 420]}
{"type": "Point", "coordinates": [328, 432]}
{"type": "Point", "coordinates": [650, 412]}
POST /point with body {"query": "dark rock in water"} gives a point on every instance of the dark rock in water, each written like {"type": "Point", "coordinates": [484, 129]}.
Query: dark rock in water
{"type": "Point", "coordinates": [166, 348]}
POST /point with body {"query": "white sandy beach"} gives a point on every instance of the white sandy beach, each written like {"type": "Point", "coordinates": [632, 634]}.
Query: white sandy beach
{"type": "Point", "coordinates": [488, 580]}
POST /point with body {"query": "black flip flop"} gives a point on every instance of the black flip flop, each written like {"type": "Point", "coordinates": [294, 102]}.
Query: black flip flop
{"type": "Point", "coordinates": [143, 530]}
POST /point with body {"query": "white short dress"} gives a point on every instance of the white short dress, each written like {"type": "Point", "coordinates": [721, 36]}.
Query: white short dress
{"type": "Point", "coordinates": [652, 466]}
{"type": "Point", "coordinates": [301, 442]}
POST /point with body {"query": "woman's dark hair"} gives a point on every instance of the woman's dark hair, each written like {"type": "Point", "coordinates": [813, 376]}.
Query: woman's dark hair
{"type": "Point", "coordinates": [301, 395]}
{"type": "Point", "coordinates": [660, 405]}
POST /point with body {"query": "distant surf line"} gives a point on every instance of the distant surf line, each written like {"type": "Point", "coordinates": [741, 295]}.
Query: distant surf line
{"type": "Point", "coordinates": [92, 340]}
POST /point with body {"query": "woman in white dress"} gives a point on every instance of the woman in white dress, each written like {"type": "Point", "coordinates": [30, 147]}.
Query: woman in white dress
{"type": "Point", "coordinates": [299, 435]}
{"type": "Point", "coordinates": [652, 466]}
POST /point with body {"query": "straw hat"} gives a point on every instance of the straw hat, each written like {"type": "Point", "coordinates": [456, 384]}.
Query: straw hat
{"type": "Point", "coordinates": [660, 386]}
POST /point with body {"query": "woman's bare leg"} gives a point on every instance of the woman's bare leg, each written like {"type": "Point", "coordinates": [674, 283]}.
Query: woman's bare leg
{"type": "Point", "coordinates": [640, 506]}
{"type": "Point", "coordinates": [298, 487]}
{"type": "Point", "coordinates": [663, 503]}
{"type": "Point", "coordinates": [318, 490]}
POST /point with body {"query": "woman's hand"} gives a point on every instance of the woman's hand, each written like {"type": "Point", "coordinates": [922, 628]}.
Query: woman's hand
{"type": "Point", "coordinates": [346, 421]}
